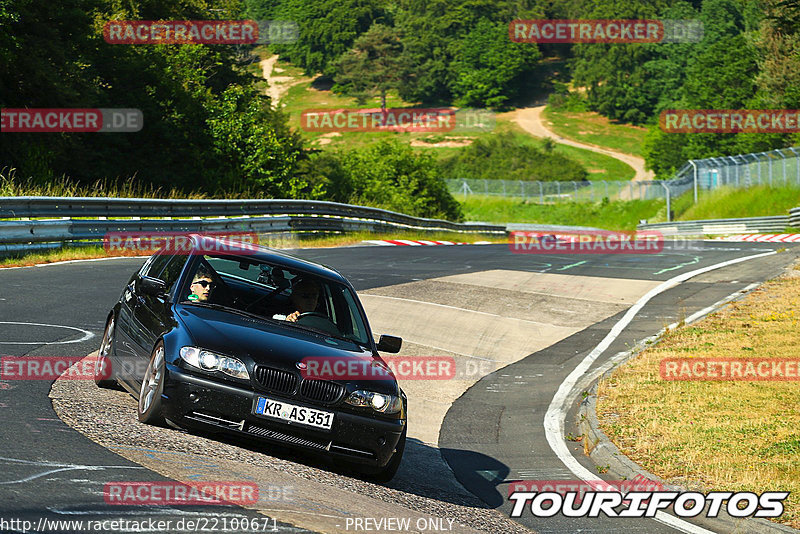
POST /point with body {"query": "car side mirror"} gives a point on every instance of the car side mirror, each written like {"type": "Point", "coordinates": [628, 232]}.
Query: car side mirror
{"type": "Point", "coordinates": [152, 286]}
{"type": "Point", "coordinates": [389, 343]}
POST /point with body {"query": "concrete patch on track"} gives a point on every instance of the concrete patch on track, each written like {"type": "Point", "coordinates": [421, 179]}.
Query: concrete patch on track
{"type": "Point", "coordinates": [592, 288]}
{"type": "Point", "coordinates": [496, 316]}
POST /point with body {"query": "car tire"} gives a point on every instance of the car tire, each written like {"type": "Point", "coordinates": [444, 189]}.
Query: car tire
{"type": "Point", "coordinates": [149, 405]}
{"type": "Point", "coordinates": [105, 379]}
{"type": "Point", "coordinates": [387, 472]}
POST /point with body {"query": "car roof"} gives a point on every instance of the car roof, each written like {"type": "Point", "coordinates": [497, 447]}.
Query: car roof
{"type": "Point", "coordinates": [266, 254]}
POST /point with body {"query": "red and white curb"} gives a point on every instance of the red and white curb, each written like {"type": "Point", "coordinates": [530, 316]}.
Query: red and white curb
{"type": "Point", "coordinates": [762, 238]}
{"type": "Point", "coordinates": [412, 243]}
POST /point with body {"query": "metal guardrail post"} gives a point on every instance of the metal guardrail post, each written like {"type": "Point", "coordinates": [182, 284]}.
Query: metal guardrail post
{"type": "Point", "coordinates": [796, 163]}
{"type": "Point", "coordinates": [783, 162]}
{"type": "Point", "coordinates": [669, 213]}
{"type": "Point", "coordinates": [694, 165]}
{"type": "Point", "coordinates": [759, 167]}
{"type": "Point", "coordinates": [736, 166]}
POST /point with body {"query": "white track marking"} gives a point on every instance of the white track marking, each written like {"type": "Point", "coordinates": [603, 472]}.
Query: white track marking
{"type": "Point", "coordinates": [73, 261]}
{"type": "Point", "coordinates": [60, 467]}
{"type": "Point", "coordinates": [557, 411]}
{"type": "Point", "coordinates": [86, 335]}
{"type": "Point", "coordinates": [452, 307]}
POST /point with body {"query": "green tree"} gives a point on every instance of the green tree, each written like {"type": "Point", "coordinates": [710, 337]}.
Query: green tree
{"type": "Point", "coordinates": [778, 46]}
{"type": "Point", "coordinates": [488, 68]}
{"type": "Point", "coordinates": [460, 50]}
{"type": "Point", "coordinates": [612, 73]}
{"type": "Point", "coordinates": [191, 97]}
{"type": "Point", "coordinates": [328, 29]}
{"type": "Point", "coordinates": [373, 66]}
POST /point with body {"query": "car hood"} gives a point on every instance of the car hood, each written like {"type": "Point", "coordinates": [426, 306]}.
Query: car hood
{"type": "Point", "coordinates": [262, 341]}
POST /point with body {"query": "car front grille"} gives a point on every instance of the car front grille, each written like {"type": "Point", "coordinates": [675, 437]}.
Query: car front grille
{"type": "Point", "coordinates": [321, 390]}
{"type": "Point", "coordinates": [287, 438]}
{"type": "Point", "coordinates": [276, 379]}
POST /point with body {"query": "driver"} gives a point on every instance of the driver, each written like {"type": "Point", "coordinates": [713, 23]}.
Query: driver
{"type": "Point", "coordinates": [304, 298]}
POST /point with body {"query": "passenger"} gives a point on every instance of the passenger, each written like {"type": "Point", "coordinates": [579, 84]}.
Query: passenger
{"type": "Point", "coordinates": [202, 285]}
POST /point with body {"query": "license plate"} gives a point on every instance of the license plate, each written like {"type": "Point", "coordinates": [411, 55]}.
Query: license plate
{"type": "Point", "coordinates": [294, 414]}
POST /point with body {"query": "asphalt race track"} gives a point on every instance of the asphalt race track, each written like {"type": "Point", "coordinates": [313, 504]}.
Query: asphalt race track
{"type": "Point", "coordinates": [533, 318]}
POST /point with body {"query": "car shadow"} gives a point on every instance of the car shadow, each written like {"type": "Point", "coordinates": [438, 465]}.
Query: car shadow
{"type": "Point", "coordinates": [423, 471]}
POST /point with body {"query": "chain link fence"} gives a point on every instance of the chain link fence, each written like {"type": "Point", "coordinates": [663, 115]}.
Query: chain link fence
{"type": "Point", "coordinates": [774, 168]}
{"type": "Point", "coordinates": [553, 192]}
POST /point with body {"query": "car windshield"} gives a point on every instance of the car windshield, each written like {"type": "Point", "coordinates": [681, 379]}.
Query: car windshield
{"type": "Point", "coordinates": [273, 292]}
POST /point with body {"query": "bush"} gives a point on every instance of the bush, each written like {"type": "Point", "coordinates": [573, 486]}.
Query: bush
{"type": "Point", "coordinates": [501, 157]}
{"type": "Point", "coordinates": [562, 99]}
{"type": "Point", "coordinates": [386, 175]}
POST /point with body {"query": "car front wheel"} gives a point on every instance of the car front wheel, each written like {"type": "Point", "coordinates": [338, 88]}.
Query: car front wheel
{"type": "Point", "coordinates": [152, 387]}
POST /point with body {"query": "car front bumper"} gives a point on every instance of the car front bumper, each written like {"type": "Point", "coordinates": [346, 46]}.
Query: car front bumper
{"type": "Point", "coordinates": [201, 402]}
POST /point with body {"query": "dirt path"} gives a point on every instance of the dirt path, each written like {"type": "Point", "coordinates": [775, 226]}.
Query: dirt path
{"type": "Point", "coordinates": [276, 85]}
{"type": "Point", "coordinates": [530, 120]}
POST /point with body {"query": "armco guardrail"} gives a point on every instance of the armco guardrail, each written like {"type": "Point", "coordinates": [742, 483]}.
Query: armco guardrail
{"type": "Point", "coordinates": [794, 217]}
{"type": "Point", "coordinates": [285, 216]}
{"type": "Point", "coordinates": [776, 223]}
{"type": "Point", "coordinates": [20, 207]}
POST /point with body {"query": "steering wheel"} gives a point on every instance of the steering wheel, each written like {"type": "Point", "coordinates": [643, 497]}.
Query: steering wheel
{"type": "Point", "coordinates": [313, 314]}
{"type": "Point", "coordinates": [317, 320]}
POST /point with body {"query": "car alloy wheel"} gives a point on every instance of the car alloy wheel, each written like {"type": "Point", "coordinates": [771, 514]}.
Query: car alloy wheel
{"type": "Point", "coordinates": [103, 375]}
{"type": "Point", "coordinates": [152, 387]}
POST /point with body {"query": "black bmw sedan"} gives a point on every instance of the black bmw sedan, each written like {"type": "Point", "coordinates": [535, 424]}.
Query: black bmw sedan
{"type": "Point", "coordinates": [216, 337]}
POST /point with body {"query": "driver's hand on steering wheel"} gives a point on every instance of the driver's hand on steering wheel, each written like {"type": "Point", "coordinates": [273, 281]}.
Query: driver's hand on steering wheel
{"type": "Point", "coordinates": [293, 316]}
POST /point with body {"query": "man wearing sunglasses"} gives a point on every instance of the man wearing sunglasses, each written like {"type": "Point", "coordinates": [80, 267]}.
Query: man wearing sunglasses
{"type": "Point", "coordinates": [201, 287]}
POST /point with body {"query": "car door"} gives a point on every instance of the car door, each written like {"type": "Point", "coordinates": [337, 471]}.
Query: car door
{"type": "Point", "coordinates": [129, 346]}
{"type": "Point", "coordinates": [125, 346]}
{"type": "Point", "coordinates": [152, 314]}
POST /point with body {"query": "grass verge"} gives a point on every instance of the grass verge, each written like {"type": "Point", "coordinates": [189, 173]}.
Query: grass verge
{"type": "Point", "coordinates": [615, 215]}
{"type": "Point", "coordinates": [716, 435]}
{"type": "Point", "coordinates": [294, 241]}
{"type": "Point", "coordinates": [728, 202]}
{"type": "Point", "coordinates": [594, 129]}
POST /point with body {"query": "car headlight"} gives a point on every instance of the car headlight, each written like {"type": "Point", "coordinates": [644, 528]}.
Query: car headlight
{"type": "Point", "coordinates": [211, 361]}
{"type": "Point", "coordinates": [377, 401]}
